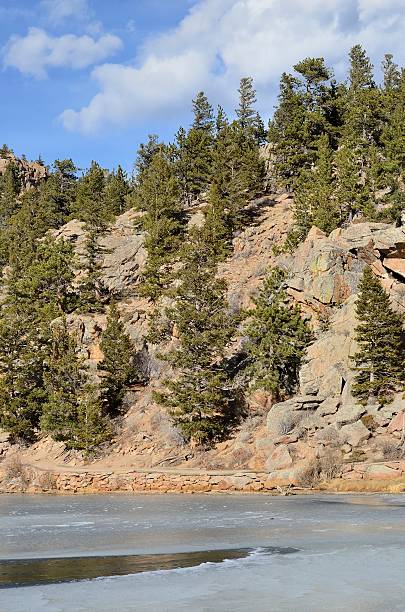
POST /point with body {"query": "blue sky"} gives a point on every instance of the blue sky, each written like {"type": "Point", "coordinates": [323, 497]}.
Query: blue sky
{"type": "Point", "coordinates": [90, 79]}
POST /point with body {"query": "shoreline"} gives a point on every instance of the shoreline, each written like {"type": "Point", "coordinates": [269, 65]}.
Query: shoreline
{"type": "Point", "coordinates": [387, 477]}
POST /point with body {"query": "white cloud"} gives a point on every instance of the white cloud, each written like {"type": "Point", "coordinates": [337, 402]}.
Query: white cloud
{"type": "Point", "coordinates": [60, 10]}
{"type": "Point", "coordinates": [34, 53]}
{"type": "Point", "coordinates": [221, 40]}
{"type": "Point", "coordinates": [128, 93]}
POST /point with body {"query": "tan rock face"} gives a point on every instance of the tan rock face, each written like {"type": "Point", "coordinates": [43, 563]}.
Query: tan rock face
{"type": "Point", "coordinates": [327, 364]}
{"type": "Point", "coordinates": [253, 249]}
{"type": "Point", "coordinates": [355, 434]}
{"type": "Point", "coordinates": [125, 255]}
{"type": "Point", "coordinates": [397, 423]}
{"type": "Point", "coordinates": [31, 173]}
{"type": "Point", "coordinates": [280, 459]}
{"type": "Point", "coordinates": [394, 264]}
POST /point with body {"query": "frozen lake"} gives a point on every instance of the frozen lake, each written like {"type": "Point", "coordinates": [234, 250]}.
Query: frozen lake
{"type": "Point", "coordinates": [202, 553]}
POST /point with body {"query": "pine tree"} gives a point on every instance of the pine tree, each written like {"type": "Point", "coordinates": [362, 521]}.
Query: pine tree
{"type": "Point", "coordinates": [73, 411]}
{"type": "Point", "coordinates": [92, 291]}
{"type": "Point", "coordinates": [90, 205]}
{"type": "Point", "coordinates": [308, 108]}
{"type": "Point", "coordinates": [22, 391]}
{"type": "Point", "coordinates": [120, 362]}
{"type": "Point", "coordinates": [314, 201]}
{"type": "Point", "coordinates": [221, 120]}
{"type": "Point", "coordinates": [361, 70]}
{"type": "Point", "coordinates": [246, 113]}
{"type": "Point", "coordinates": [393, 142]}
{"type": "Point", "coordinates": [278, 338]}
{"type": "Point", "coordinates": [116, 192]}
{"type": "Point", "coordinates": [145, 154]}
{"type": "Point", "coordinates": [64, 378]}
{"type": "Point", "coordinates": [10, 188]}
{"type": "Point", "coordinates": [218, 226]}
{"type": "Point", "coordinates": [202, 398]}
{"type": "Point", "coordinates": [194, 151]}
{"type": "Point", "coordinates": [92, 426]}
{"type": "Point", "coordinates": [391, 73]}
{"type": "Point", "coordinates": [36, 295]}
{"type": "Point", "coordinates": [203, 114]}
{"type": "Point", "coordinates": [158, 196]}
{"type": "Point", "coordinates": [64, 179]}
{"type": "Point", "coordinates": [43, 289]}
{"type": "Point", "coordinates": [238, 172]}
{"type": "Point", "coordinates": [379, 361]}
{"type": "Point", "coordinates": [326, 214]}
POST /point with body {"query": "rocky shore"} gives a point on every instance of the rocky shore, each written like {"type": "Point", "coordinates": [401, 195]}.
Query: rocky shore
{"type": "Point", "coordinates": [367, 477]}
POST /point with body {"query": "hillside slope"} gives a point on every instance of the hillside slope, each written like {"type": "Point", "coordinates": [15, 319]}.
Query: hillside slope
{"type": "Point", "coordinates": [323, 425]}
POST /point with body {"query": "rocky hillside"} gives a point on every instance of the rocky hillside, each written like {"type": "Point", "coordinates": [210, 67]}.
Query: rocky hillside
{"type": "Point", "coordinates": [323, 427]}
{"type": "Point", "coordinates": [30, 173]}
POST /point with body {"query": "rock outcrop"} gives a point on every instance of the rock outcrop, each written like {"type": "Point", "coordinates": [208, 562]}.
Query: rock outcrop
{"type": "Point", "coordinates": [323, 429]}
{"type": "Point", "coordinates": [30, 173]}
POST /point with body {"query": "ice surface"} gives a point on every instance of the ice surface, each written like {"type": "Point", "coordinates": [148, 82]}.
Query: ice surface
{"type": "Point", "coordinates": [351, 552]}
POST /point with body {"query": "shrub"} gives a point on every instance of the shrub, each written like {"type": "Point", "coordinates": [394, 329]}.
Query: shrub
{"type": "Point", "coordinates": [287, 424]}
{"type": "Point", "coordinates": [308, 476]}
{"type": "Point", "coordinates": [15, 469]}
{"type": "Point", "coordinates": [47, 481]}
{"type": "Point", "coordinates": [331, 464]}
{"type": "Point", "coordinates": [391, 450]}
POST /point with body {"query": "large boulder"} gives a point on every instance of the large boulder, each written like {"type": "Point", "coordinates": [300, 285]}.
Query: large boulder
{"type": "Point", "coordinates": [279, 459]}
{"type": "Point", "coordinates": [355, 433]}
{"type": "Point", "coordinates": [328, 365]}
{"type": "Point", "coordinates": [125, 255]}
{"type": "Point", "coordinates": [282, 418]}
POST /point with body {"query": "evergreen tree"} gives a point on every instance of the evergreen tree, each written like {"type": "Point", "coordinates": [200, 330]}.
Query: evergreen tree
{"type": "Point", "coordinates": [358, 160]}
{"type": "Point", "coordinates": [119, 363]}
{"type": "Point", "coordinates": [193, 152]}
{"type": "Point", "coordinates": [158, 196]}
{"type": "Point", "coordinates": [202, 398]}
{"type": "Point", "coordinates": [10, 188]}
{"type": "Point", "coordinates": [379, 361]}
{"type": "Point", "coordinates": [218, 226]}
{"type": "Point", "coordinates": [92, 291]}
{"type": "Point", "coordinates": [116, 192]}
{"type": "Point", "coordinates": [203, 114]}
{"type": "Point", "coordinates": [43, 289]}
{"type": "Point", "coordinates": [22, 391]}
{"type": "Point", "coordinates": [308, 108]}
{"type": "Point", "coordinates": [361, 70]}
{"type": "Point", "coordinates": [278, 338]}
{"type": "Point", "coordinates": [73, 412]}
{"type": "Point", "coordinates": [391, 73]}
{"type": "Point", "coordinates": [314, 202]}
{"type": "Point", "coordinates": [90, 205]}
{"type": "Point", "coordinates": [64, 181]}
{"type": "Point", "coordinates": [35, 296]}
{"type": "Point", "coordinates": [238, 172]}
{"type": "Point", "coordinates": [145, 154]}
{"type": "Point", "coordinates": [221, 120]}
{"type": "Point", "coordinates": [393, 142]}
{"type": "Point", "coordinates": [246, 113]}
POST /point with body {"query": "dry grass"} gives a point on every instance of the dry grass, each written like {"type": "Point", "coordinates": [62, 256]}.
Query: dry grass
{"type": "Point", "coordinates": [14, 469]}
